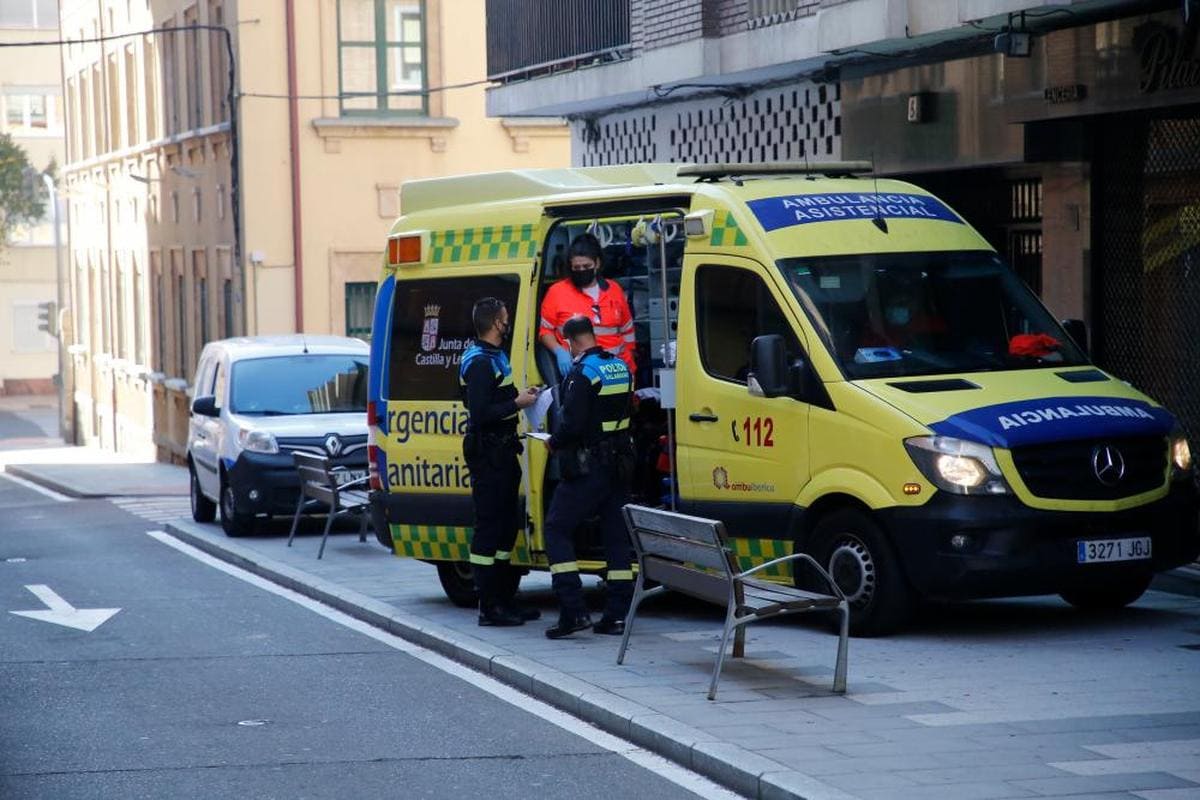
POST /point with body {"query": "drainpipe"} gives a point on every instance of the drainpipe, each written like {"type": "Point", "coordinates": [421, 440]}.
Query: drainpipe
{"type": "Point", "coordinates": [294, 143]}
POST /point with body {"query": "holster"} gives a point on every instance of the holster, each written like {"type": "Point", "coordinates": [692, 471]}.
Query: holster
{"type": "Point", "coordinates": [574, 462]}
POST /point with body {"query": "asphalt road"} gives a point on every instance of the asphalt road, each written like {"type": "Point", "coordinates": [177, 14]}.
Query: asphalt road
{"type": "Point", "coordinates": [204, 685]}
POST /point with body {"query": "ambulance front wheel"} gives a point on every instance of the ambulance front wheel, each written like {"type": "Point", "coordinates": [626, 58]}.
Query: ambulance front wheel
{"type": "Point", "coordinates": [458, 583]}
{"type": "Point", "coordinates": [862, 563]}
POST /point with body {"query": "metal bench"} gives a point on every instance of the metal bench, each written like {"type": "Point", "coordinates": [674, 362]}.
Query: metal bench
{"type": "Point", "coordinates": [320, 484]}
{"type": "Point", "coordinates": [689, 555]}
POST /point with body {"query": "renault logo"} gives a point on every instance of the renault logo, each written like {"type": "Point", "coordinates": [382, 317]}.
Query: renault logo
{"type": "Point", "coordinates": [334, 445]}
{"type": "Point", "coordinates": [1108, 464]}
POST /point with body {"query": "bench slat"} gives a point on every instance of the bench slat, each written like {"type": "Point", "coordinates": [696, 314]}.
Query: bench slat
{"type": "Point", "coordinates": [710, 588]}
{"type": "Point", "coordinates": [668, 522]}
{"type": "Point", "coordinates": [674, 548]}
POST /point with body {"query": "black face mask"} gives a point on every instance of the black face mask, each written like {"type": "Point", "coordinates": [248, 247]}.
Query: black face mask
{"type": "Point", "coordinates": [582, 277]}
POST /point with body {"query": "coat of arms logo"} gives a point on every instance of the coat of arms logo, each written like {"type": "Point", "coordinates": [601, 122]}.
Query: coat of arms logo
{"type": "Point", "coordinates": [429, 331]}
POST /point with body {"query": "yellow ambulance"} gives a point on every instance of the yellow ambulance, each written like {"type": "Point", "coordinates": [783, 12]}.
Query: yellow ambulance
{"type": "Point", "coordinates": [826, 361]}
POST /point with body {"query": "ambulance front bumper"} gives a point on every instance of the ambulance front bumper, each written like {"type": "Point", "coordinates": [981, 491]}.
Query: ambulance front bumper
{"type": "Point", "coordinates": [958, 547]}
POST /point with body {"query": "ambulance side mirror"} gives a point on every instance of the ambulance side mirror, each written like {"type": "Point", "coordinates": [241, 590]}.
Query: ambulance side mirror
{"type": "Point", "coordinates": [1077, 330]}
{"type": "Point", "coordinates": [769, 375]}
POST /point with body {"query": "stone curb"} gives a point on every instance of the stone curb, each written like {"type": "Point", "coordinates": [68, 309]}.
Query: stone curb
{"type": "Point", "coordinates": [732, 766]}
{"type": "Point", "coordinates": [42, 480]}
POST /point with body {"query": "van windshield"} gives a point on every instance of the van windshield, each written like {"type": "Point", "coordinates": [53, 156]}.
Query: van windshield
{"type": "Point", "coordinates": [887, 315]}
{"type": "Point", "coordinates": [310, 384]}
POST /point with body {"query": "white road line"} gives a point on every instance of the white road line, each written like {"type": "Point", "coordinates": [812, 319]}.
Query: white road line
{"type": "Point", "coordinates": [53, 495]}
{"type": "Point", "coordinates": [663, 767]}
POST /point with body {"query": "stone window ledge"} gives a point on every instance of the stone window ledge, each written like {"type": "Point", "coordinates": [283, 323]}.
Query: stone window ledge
{"type": "Point", "coordinates": [435, 129]}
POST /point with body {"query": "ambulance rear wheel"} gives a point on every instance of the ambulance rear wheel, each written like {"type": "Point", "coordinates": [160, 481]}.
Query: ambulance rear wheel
{"type": "Point", "coordinates": [860, 559]}
{"type": "Point", "coordinates": [1108, 595]}
{"type": "Point", "coordinates": [458, 583]}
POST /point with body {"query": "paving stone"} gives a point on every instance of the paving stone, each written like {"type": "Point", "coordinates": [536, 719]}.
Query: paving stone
{"type": "Point", "coordinates": [1078, 784]}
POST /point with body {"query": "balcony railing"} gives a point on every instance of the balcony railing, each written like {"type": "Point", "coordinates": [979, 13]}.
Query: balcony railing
{"type": "Point", "coordinates": [530, 37]}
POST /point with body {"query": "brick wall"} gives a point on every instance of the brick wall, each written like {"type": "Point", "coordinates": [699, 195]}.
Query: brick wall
{"type": "Point", "coordinates": [659, 23]}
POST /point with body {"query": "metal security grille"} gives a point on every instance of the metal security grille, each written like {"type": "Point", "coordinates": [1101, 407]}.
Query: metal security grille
{"type": "Point", "coordinates": [1148, 310]}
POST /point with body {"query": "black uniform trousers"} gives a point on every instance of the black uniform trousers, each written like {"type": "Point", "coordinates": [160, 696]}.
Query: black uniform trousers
{"type": "Point", "coordinates": [495, 488]}
{"type": "Point", "coordinates": [600, 492]}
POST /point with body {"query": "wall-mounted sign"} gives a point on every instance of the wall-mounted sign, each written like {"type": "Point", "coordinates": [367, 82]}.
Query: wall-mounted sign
{"type": "Point", "coordinates": [1071, 93]}
{"type": "Point", "coordinates": [1168, 60]}
{"type": "Point", "coordinates": [918, 108]}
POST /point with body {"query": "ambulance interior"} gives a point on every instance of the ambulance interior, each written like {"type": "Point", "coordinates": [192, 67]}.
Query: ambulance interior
{"type": "Point", "coordinates": [637, 265]}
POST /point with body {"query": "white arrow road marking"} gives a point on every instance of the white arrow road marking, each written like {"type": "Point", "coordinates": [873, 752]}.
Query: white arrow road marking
{"type": "Point", "coordinates": [63, 613]}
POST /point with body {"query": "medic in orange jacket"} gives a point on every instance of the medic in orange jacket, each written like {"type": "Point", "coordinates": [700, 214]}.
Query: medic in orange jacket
{"type": "Point", "coordinates": [585, 293]}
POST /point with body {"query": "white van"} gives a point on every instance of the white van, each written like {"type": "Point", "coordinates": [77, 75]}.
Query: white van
{"type": "Point", "coordinates": [259, 399]}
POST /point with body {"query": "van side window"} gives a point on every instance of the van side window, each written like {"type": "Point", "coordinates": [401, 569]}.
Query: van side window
{"type": "Point", "coordinates": [431, 328]}
{"type": "Point", "coordinates": [732, 307]}
{"type": "Point", "coordinates": [218, 389]}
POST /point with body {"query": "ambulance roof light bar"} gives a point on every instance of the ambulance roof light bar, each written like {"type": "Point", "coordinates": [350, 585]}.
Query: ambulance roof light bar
{"type": "Point", "coordinates": [714, 172]}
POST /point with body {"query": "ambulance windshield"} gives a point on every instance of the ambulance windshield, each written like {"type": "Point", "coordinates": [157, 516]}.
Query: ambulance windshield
{"type": "Point", "coordinates": [886, 315]}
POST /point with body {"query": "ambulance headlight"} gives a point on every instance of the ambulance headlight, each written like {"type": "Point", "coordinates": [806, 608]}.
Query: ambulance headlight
{"type": "Point", "coordinates": [957, 465]}
{"type": "Point", "coordinates": [1181, 454]}
{"type": "Point", "coordinates": [258, 441]}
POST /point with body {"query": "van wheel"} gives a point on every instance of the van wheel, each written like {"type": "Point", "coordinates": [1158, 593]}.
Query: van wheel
{"type": "Point", "coordinates": [233, 522]}
{"type": "Point", "coordinates": [861, 561]}
{"type": "Point", "coordinates": [458, 583]}
{"type": "Point", "coordinates": [1108, 595]}
{"type": "Point", "coordinates": [203, 509]}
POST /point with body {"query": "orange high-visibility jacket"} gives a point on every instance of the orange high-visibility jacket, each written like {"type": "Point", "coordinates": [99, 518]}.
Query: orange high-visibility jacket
{"type": "Point", "coordinates": [610, 316]}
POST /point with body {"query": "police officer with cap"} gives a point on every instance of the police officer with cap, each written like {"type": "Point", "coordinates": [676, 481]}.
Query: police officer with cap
{"type": "Point", "coordinates": [490, 448]}
{"type": "Point", "coordinates": [595, 456]}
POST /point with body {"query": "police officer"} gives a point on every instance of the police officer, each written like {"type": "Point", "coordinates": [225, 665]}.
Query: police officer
{"type": "Point", "coordinates": [490, 448]}
{"type": "Point", "coordinates": [595, 454]}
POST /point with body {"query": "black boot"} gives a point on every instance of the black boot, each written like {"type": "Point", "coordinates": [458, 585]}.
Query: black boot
{"type": "Point", "coordinates": [491, 612]}
{"type": "Point", "coordinates": [610, 626]}
{"type": "Point", "coordinates": [508, 578]}
{"type": "Point", "coordinates": [569, 622]}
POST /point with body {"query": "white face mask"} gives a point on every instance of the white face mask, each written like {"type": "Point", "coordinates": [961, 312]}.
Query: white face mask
{"type": "Point", "coordinates": [898, 315]}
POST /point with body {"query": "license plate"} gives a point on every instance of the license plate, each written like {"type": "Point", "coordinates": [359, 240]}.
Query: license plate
{"type": "Point", "coordinates": [1094, 551]}
{"type": "Point", "coordinates": [346, 476]}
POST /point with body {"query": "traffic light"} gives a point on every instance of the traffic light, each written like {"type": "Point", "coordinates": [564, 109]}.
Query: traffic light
{"type": "Point", "coordinates": [48, 317]}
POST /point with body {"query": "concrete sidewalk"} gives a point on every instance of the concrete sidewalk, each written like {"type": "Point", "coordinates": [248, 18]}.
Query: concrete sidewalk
{"type": "Point", "coordinates": [1018, 698]}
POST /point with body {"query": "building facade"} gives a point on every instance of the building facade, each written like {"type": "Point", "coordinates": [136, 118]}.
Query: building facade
{"type": "Point", "coordinates": [1067, 132]}
{"type": "Point", "coordinates": [234, 167]}
{"type": "Point", "coordinates": [31, 111]}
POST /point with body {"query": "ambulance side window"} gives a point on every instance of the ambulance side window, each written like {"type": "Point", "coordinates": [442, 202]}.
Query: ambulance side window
{"type": "Point", "coordinates": [732, 307]}
{"type": "Point", "coordinates": [431, 328]}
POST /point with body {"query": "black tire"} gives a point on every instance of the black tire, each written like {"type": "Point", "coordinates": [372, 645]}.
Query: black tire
{"type": "Point", "coordinates": [232, 522]}
{"type": "Point", "coordinates": [203, 509]}
{"type": "Point", "coordinates": [383, 534]}
{"type": "Point", "coordinates": [1107, 595]}
{"type": "Point", "coordinates": [458, 583]}
{"type": "Point", "coordinates": [854, 549]}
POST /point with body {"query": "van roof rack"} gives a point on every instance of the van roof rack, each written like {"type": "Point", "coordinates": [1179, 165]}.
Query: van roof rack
{"type": "Point", "coordinates": [712, 172]}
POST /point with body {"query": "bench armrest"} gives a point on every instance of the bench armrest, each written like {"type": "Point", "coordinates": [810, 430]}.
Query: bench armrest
{"type": "Point", "coordinates": [354, 483]}
{"type": "Point", "coordinates": [837, 591]}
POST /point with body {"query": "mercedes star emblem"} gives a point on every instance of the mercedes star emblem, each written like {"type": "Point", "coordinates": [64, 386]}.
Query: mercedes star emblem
{"type": "Point", "coordinates": [334, 445]}
{"type": "Point", "coordinates": [1108, 464]}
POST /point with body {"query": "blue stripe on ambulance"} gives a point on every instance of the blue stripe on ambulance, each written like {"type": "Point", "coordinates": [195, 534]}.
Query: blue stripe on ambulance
{"type": "Point", "coordinates": [1055, 419]}
{"type": "Point", "coordinates": [377, 375]}
{"type": "Point", "coordinates": [801, 209]}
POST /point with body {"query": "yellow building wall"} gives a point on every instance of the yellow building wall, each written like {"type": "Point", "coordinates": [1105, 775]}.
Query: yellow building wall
{"type": "Point", "coordinates": [351, 168]}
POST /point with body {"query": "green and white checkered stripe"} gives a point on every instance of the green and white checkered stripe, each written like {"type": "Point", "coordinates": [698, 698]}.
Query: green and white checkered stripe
{"type": "Point", "coordinates": [726, 232]}
{"type": "Point", "coordinates": [751, 552]}
{"type": "Point", "coordinates": [488, 243]}
{"type": "Point", "coordinates": [443, 543]}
